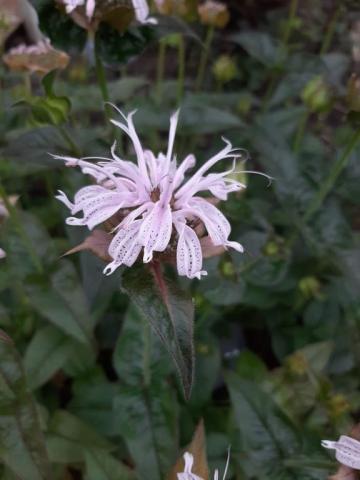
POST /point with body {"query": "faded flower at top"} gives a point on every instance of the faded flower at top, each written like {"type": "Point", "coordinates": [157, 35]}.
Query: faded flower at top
{"type": "Point", "coordinates": [188, 474]}
{"type": "Point", "coordinates": [152, 206]}
{"type": "Point", "coordinates": [41, 58]}
{"type": "Point", "coordinates": [214, 14]}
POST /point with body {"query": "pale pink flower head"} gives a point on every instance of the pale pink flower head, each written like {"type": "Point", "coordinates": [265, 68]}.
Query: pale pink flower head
{"type": "Point", "coordinates": [188, 474]}
{"type": "Point", "coordinates": [154, 206]}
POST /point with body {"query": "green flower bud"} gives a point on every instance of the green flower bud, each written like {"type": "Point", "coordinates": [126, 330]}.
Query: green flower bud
{"type": "Point", "coordinates": [224, 69]}
{"type": "Point", "coordinates": [310, 286]}
{"type": "Point", "coordinates": [317, 95]}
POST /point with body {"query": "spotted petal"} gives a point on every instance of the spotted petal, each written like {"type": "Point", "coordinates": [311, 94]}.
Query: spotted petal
{"type": "Point", "coordinates": [188, 254]}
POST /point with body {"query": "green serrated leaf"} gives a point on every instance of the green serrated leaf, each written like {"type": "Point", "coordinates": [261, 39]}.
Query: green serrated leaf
{"type": "Point", "coordinates": [47, 352]}
{"type": "Point", "coordinates": [267, 434]}
{"type": "Point", "coordinates": [169, 311]}
{"type": "Point", "coordinates": [103, 466]}
{"type": "Point", "coordinates": [147, 420]}
{"type": "Point", "coordinates": [22, 446]}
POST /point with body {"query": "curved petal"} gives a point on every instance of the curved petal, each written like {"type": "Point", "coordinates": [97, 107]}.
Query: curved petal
{"type": "Point", "coordinates": [155, 231]}
{"type": "Point", "coordinates": [188, 254]}
{"type": "Point", "coordinates": [124, 247]}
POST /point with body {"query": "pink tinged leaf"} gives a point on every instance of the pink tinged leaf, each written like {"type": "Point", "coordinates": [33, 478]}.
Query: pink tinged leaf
{"type": "Point", "coordinates": [209, 249]}
{"type": "Point", "coordinates": [124, 248]}
{"type": "Point", "coordinates": [97, 242]}
{"type": "Point", "coordinates": [189, 254]}
{"type": "Point", "coordinates": [155, 231]}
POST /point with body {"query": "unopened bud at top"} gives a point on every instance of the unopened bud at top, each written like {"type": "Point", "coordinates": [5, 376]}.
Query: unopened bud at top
{"type": "Point", "coordinates": [214, 14]}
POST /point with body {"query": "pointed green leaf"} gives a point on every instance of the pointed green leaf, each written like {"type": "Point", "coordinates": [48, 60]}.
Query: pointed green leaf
{"type": "Point", "coordinates": [22, 446]}
{"type": "Point", "coordinates": [147, 421]}
{"type": "Point", "coordinates": [170, 312]}
{"type": "Point", "coordinates": [103, 466]}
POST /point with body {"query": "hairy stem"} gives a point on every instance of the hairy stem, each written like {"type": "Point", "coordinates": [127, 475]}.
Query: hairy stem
{"type": "Point", "coordinates": [330, 181]}
{"type": "Point", "coordinates": [160, 71]}
{"type": "Point", "coordinates": [181, 69]}
{"type": "Point", "coordinates": [204, 58]}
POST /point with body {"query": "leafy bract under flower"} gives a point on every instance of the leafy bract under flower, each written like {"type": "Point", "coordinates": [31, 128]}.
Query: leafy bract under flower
{"type": "Point", "coordinates": [155, 207]}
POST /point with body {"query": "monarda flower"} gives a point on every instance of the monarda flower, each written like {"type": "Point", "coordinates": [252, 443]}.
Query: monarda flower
{"type": "Point", "coordinates": [151, 206]}
{"type": "Point", "coordinates": [188, 474]}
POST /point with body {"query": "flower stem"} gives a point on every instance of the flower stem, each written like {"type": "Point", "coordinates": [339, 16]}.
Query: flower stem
{"type": "Point", "coordinates": [67, 137]}
{"type": "Point", "coordinates": [181, 69]}
{"type": "Point", "coordinates": [329, 183]}
{"type": "Point", "coordinates": [101, 77]}
{"type": "Point", "coordinates": [330, 31]}
{"type": "Point", "coordinates": [204, 58]}
{"type": "Point", "coordinates": [290, 22]}
{"type": "Point", "coordinates": [14, 217]}
{"type": "Point", "coordinates": [300, 131]}
{"type": "Point", "coordinates": [281, 50]}
{"type": "Point", "coordinates": [160, 71]}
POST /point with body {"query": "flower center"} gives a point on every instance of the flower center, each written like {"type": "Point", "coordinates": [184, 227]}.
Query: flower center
{"type": "Point", "coordinates": [155, 195]}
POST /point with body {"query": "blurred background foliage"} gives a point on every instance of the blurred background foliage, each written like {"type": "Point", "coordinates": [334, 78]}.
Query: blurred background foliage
{"type": "Point", "coordinates": [277, 330]}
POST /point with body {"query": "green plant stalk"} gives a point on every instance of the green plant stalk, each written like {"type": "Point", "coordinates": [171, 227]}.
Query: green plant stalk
{"type": "Point", "coordinates": [284, 43]}
{"type": "Point", "coordinates": [101, 77]}
{"type": "Point", "coordinates": [14, 217]}
{"type": "Point", "coordinates": [181, 69]}
{"type": "Point", "coordinates": [103, 87]}
{"type": "Point", "coordinates": [329, 183]}
{"type": "Point", "coordinates": [290, 22]}
{"type": "Point", "coordinates": [300, 131]}
{"type": "Point", "coordinates": [67, 137]}
{"type": "Point", "coordinates": [324, 48]}
{"type": "Point", "coordinates": [204, 58]}
{"type": "Point", "coordinates": [330, 31]}
{"type": "Point", "coordinates": [160, 71]}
